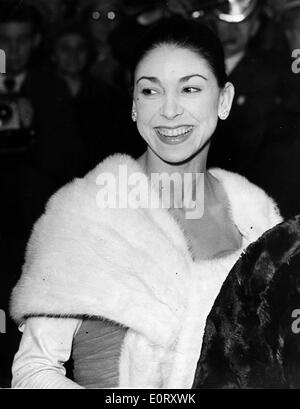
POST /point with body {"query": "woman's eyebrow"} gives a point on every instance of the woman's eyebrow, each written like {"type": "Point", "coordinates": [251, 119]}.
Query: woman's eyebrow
{"type": "Point", "coordinates": [155, 80]}
{"type": "Point", "coordinates": [152, 79]}
{"type": "Point", "coordinates": [187, 77]}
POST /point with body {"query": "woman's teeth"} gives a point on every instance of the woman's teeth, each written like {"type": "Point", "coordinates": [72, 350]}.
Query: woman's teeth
{"type": "Point", "coordinates": [180, 131]}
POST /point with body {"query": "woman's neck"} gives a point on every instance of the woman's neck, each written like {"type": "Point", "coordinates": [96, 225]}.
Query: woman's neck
{"type": "Point", "coordinates": [192, 177]}
{"type": "Point", "coordinates": [152, 163]}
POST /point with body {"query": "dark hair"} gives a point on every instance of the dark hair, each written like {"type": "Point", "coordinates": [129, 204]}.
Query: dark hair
{"type": "Point", "coordinates": [17, 11]}
{"type": "Point", "coordinates": [183, 33]}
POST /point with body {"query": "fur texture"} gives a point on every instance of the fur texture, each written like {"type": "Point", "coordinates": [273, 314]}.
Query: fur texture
{"type": "Point", "coordinates": [133, 267]}
{"type": "Point", "coordinates": [249, 340]}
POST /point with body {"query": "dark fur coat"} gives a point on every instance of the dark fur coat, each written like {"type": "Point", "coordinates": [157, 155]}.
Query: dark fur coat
{"type": "Point", "coordinates": [252, 334]}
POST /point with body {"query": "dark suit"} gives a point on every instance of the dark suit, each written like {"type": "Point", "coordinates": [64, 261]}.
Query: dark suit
{"type": "Point", "coordinates": [278, 164]}
{"type": "Point", "coordinates": [238, 139]}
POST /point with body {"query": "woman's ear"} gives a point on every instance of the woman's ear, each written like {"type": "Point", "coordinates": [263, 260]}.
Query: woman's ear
{"type": "Point", "coordinates": [225, 101]}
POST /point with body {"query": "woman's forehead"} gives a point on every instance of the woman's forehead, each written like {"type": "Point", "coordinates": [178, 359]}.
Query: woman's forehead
{"type": "Point", "coordinates": [170, 59]}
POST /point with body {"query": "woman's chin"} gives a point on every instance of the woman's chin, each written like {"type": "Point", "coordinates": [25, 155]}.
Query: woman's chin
{"type": "Point", "coordinates": [174, 157]}
{"type": "Point", "coordinates": [181, 153]}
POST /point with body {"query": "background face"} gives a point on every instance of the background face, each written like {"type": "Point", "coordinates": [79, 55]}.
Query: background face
{"type": "Point", "coordinates": [292, 29]}
{"type": "Point", "coordinates": [103, 20]}
{"type": "Point", "coordinates": [70, 54]}
{"type": "Point", "coordinates": [179, 93]}
{"type": "Point", "coordinates": [235, 36]}
{"type": "Point", "coordinates": [17, 40]}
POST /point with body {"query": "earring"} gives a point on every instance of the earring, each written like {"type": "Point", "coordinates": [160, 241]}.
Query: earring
{"type": "Point", "coordinates": [223, 115]}
{"type": "Point", "coordinates": [134, 115]}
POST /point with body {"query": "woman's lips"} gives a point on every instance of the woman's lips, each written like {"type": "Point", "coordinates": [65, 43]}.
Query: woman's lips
{"type": "Point", "coordinates": [173, 136]}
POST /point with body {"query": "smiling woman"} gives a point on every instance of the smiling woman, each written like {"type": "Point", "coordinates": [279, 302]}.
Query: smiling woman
{"type": "Point", "coordinates": [177, 113]}
{"type": "Point", "coordinates": [177, 106]}
{"type": "Point", "coordinates": [126, 290]}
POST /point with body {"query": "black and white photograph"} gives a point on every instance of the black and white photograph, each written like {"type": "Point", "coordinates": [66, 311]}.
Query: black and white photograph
{"type": "Point", "coordinates": [150, 197]}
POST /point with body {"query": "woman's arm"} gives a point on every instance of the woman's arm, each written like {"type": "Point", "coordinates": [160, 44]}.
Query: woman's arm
{"type": "Point", "coordinates": [45, 346]}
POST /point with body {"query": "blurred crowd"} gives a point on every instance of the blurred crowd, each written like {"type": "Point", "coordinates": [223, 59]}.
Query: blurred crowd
{"type": "Point", "coordinates": [65, 103]}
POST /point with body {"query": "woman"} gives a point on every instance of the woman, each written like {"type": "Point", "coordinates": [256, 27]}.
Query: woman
{"type": "Point", "coordinates": [126, 289]}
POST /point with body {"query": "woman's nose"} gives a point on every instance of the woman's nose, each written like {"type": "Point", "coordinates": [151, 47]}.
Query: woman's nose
{"type": "Point", "coordinates": [171, 107]}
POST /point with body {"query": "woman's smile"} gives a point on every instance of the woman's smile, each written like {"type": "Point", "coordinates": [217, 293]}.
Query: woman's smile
{"type": "Point", "coordinates": [174, 136]}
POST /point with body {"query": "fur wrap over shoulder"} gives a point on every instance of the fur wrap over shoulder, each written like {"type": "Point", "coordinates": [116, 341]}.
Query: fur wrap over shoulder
{"type": "Point", "coordinates": [133, 267]}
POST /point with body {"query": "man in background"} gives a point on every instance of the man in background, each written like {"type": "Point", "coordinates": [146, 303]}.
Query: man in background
{"type": "Point", "coordinates": [22, 187]}
{"type": "Point", "coordinates": [291, 22]}
{"type": "Point", "coordinates": [19, 37]}
{"type": "Point", "coordinates": [278, 167]}
{"type": "Point", "coordinates": [251, 68]}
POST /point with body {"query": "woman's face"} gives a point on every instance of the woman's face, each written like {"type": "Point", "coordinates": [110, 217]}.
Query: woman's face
{"type": "Point", "coordinates": [177, 100]}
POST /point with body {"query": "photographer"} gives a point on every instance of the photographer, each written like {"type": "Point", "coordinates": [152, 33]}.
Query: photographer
{"type": "Point", "coordinates": [19, 38]}
{"type": "Point", "coordinates": [24, 189]}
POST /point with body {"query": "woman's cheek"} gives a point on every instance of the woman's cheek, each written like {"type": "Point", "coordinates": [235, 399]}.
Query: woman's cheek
{"type": "Point", "coordinates": [146, 111]}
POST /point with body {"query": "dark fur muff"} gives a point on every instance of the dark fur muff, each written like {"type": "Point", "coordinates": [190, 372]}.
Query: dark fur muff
{"type": "Point", "coordinates": [249, 339]}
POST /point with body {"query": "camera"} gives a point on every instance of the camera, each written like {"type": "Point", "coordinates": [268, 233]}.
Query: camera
{"type": "Point", "coordinates": [16, 118]}
{"type": "Point", "coordinates": [9, 115]}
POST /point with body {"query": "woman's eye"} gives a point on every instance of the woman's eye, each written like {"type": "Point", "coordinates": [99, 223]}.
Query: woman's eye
{"type": "Point", "coordinates": [191, 90]}
{"type": "Point", "coordinates": [148, 91]}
